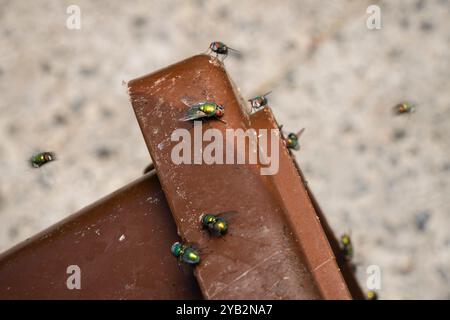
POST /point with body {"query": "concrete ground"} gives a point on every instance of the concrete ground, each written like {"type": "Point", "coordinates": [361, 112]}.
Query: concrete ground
{"type": "Point", "coordinates": [385, 179]}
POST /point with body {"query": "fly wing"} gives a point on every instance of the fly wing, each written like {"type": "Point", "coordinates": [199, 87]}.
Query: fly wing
{"type": "Point", "coordinates": [298, 134]}
{"type": "Point", "coordinates": [237, 52]}
{"type": "Point", "coordinates": [189, 101]}
{"type": "Point", "coordinates": [193, 113]}
{"type": "Point", "coordinates": [226, 214]}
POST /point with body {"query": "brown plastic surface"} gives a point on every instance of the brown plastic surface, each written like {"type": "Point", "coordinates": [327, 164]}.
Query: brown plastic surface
{"type": "Point", "coordinates": [121, 244]}
{"type": "Point", "coordinates": [277, 248]}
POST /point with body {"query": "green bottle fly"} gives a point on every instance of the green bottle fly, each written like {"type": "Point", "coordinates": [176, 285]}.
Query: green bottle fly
{"type": "Point", "coordinates": [41, 158]}
{"type": "Point", "coordinates": [214, 224]}
{"type": "Point", "coordinates": [204, 110]}
{"type": "Point", "coordinates": [259, 101]}
{"type": "Point", "coordinates": [372, 295]}
{"type": "Point", "coordinates": [185, 253]}
{"type": "Point", "coordinates": [347, 247]}
{"type": "Point", "coordinates": [292, 139]}
{"type": "Point", "coordinates": [403, 108]}
{"type": "Point", "coordinates": [220, 48]}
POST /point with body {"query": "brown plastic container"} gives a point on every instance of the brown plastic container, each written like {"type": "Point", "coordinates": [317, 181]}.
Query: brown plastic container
{"type": "Point", "coordinates": [277, 248]}
{"type": "Point", "coordinates": [121, 244]}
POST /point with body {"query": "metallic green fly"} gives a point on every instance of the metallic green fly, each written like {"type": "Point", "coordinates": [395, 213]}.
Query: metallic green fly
{"type": "Point", "coordinates": [185, 253]}
{"type": "Point", "coordinates": [41, 158]}
{"type": "Point", "coordinates": [372, 295]}
{"type": "Point", "coordinates": [347, 247]}
{"type": "Point", "coordinates": [217, 224]}
{"type": "Point", "coordinates": [403, 108]}
{"type": "Point", "coordinates": [204, 110]}
{"type": "Point", "coordinates": [220, 48]}
{"type": "Point", "coordinates": [292, 139]}
{"type": "Point", "coordinates": [259, 101]}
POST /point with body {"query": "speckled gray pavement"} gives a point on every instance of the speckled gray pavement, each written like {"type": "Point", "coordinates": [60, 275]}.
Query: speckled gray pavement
{"type": "Point", "coordinates": [385, 179]}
